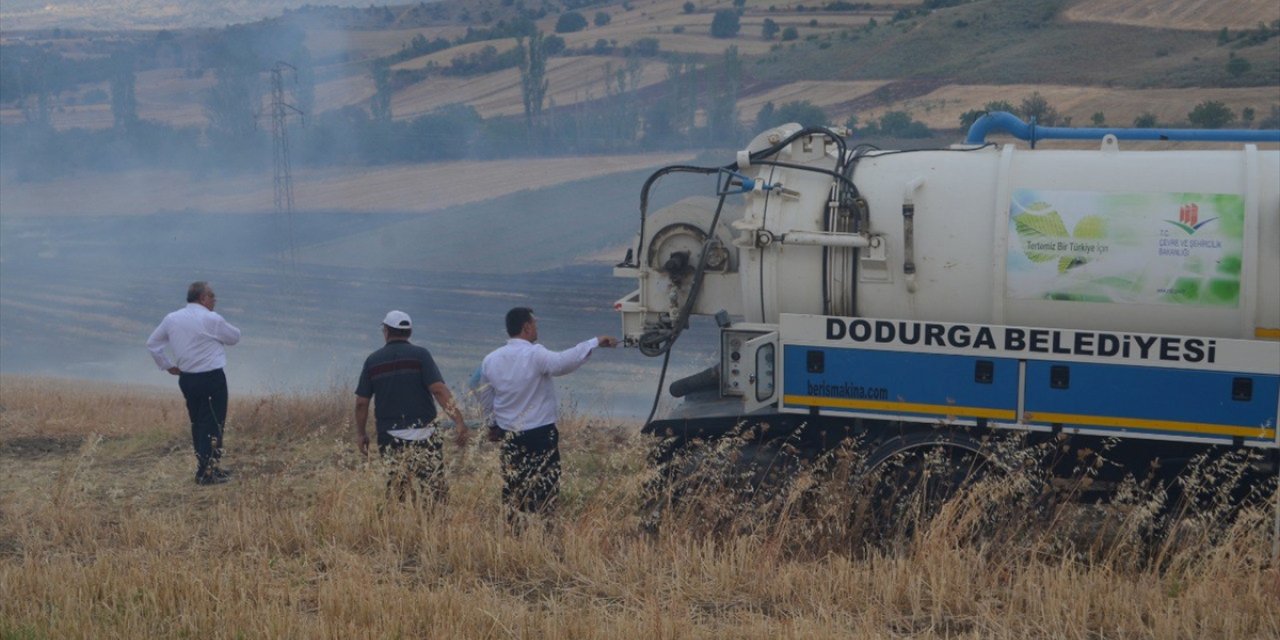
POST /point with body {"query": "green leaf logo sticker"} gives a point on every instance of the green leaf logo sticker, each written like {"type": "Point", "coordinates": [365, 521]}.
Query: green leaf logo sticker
{"type": "Point", "coordinates": [1043, 234]}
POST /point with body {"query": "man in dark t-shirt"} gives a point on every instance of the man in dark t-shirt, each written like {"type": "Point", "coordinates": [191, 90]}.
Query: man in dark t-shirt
{"type": "Point", "coordinates": [404, 379]}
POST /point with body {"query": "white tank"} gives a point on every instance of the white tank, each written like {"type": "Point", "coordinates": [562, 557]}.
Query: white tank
{"type": "Point", "coordinates": [1169, 241]}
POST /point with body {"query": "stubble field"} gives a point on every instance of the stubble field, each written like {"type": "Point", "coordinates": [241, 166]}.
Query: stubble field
{"type": "Point", "coordinates": [102, 534]}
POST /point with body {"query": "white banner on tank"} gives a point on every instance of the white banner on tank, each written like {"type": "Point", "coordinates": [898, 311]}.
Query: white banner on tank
{"type": "Point", "coordinates": [1183, 249]}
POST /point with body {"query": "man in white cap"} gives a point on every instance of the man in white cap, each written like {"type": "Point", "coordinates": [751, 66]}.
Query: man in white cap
{"type": "Point", "coordinates": [404, 379]}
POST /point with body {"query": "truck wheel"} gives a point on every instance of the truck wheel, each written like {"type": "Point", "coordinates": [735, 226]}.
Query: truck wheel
{"type": "Point", "coordinates": [907, 479]}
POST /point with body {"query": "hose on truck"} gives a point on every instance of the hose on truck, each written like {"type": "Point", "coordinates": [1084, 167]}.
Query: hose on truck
{"type": "Point", "coordinates": [660, 341]}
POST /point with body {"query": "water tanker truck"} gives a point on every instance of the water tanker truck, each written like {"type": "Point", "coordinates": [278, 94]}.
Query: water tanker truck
{"type": "Point", "coordinates": [1103, 298]}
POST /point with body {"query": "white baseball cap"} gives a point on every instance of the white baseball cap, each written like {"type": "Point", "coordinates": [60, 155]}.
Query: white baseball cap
{"type": "Point", "coordinates": [398, 320]}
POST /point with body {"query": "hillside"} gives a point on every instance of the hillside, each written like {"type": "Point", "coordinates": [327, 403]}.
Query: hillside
{"type": "Point", "coordinates": [1121, 59]}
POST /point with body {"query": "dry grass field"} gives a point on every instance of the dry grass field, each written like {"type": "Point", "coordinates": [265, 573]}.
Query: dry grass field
{"type": "Point", "coordinates": [1177, 14]}
{"type": "Point", "coordinates": [103, 535]}
{"type": "Point", "coordinates": [395, 189]}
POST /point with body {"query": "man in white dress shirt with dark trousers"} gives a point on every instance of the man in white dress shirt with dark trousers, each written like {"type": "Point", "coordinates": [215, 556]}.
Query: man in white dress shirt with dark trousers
{"type": "Point", "coordinates": [198, 338]}
{"type": "Point", "coordinates": [517, 392]}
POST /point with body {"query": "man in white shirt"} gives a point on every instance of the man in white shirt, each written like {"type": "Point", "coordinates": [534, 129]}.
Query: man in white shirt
{"type": "Point", "coordinates": [517, 392]}
{"type": "Point", "coordinates": [198, 338]}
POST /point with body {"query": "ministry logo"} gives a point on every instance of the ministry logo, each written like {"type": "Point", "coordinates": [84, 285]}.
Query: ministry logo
{"type": "Point", "coordinates": [1189, 219]}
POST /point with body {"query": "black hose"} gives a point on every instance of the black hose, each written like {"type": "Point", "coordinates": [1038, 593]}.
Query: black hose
{"type": "Point", "coordinates": [666, 358]}
{"type": "Point", "coordinates": [648, 184]}
{"type": "Point", "coordinates": [663, 343]}
{"type": "Point", "coordinates": [666, 342]}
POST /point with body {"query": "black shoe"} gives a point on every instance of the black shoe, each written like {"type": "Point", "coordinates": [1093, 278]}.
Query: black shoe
{"type": "Point", "coordinates": [222, 473]}
{"type": "Point", "coordinates": [210, 478]}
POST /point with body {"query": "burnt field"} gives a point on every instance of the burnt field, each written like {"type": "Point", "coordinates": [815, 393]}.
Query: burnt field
{"type": "Point", "coordinates": [79, 295]}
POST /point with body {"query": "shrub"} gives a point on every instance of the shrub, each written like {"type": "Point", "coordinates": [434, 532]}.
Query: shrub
{"type": "Point", "coordinates": [645, 47]}
{"type": "Point", "coordinates": [570, 22]}
{"type": "Point", "coordinates": [552, 45]}
{"type": "Point", "coordinates": [790, 33]}
{"type": "Point", "coordinates": [689, 7]}
{"type": "Point", "coordinates": [1237, 66]}
{"type": "Point", "coordinates": [1145, 120]}
{"type": "Point", "coordinates": [901, 124]}
{"type": "Point", "coordinates": [1211, 114]}
{"type": "Point", "coordinates": [602, 18]}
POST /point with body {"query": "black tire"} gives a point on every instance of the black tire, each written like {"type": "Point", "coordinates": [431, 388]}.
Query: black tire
{"type": "Point", "coordinates": [909, 478]}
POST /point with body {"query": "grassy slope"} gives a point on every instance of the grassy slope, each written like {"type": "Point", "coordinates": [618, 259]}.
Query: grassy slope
{"type": "Point", "coordinates": [102, 534]}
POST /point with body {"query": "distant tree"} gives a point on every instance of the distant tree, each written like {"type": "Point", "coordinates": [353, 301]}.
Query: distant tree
{"type": "Point", "coordinates": [1246, 115]}
{"type": "Point", "coordinates": [725, 24]}
{"type": "Point", "coordinates": [533, 77]}
{"type": "Point", "coordinates": [602, 18]}
{"type": "Point", "coordinates": [969, 117]}
{"type": "Point", "coordinates": [304, 86]}
{"type": "Point", "coordinates": [1098, 118]}
{"type": "Point", "coordinates": [790, 33]}
{"type": "Point", "coordinates": [1036, 106]}
{"type": "Point", "coordinates": [1211, 114]}
{"type": "Point", "coordinates": [124, 103]}
{"type": "Point", "coordinates": [233, 103]}
{"type": "Point", "coordinates": [803, 112]}
{"type": "Point", "coordinates": [689, 7]}
{"type": "Point", "coordinates": [380, 101]}
{"type": "Point", "coordinates": [764, 117]}
{"type": "Point", "coordinates": [669, 120]}
{"type": "Point", "coordinates": [1271, 121]}
{"type": "Point", "coordinates": [1145, 120]}
{"type": "Point", "coordinates": [1224, 36]}
{"type": "Point", "coordinates": [721, 110]}
{"type": "Point", "coordinates": [1237, 66]}
{"type": "Point", "coordinates": [769, 29]}
{"type": "Point", "coordinates": [738, 4]}
{"type": "Point", "coordinates": [570, 22]}
{"type": "Point", "coordinates": [851, 123]}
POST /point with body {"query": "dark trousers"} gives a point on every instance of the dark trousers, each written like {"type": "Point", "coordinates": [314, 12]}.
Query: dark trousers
{"type": "Point", "coordinates": [206, 395]}
{"type": "Point", "coordinates": [531, 470]}
{"type": "Point", "coordinates": [417, 467]}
